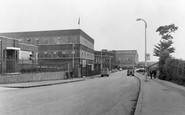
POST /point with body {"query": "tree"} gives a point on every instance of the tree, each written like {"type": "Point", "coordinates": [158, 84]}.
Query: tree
{"type": "Point", "coordinates": [166, 39]}
{"type": "Point", "coordinates": [163, 56]}
{"type": "Point", "coordinates": [164, 48]}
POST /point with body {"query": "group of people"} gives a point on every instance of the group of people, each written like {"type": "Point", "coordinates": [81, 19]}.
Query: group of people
{"type": "Point", "coordinates": [69, 75]}
{"type": "Point", "coordinates": [153, 74]}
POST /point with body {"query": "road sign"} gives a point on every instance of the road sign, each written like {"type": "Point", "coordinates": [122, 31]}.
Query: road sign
{"type": "Point", "coordinates": [147, 56]}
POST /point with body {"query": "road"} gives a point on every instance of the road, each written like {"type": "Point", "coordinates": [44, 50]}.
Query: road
{"type": "Point", "coordinates": [112, 95]}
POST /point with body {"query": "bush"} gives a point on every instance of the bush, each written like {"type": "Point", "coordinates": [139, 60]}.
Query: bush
{"type": "Point", "coordinates": [163, 57]}
{"type": "Point", "coordinates": [175, 70]}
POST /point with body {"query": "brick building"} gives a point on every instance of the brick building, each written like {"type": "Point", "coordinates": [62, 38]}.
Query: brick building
{"type": "Point", "coordinates": [59, 47]}
{"type": "Point", "coordinates": [15, 56]}
{"type": "Point", "coordinates": [126, 58]}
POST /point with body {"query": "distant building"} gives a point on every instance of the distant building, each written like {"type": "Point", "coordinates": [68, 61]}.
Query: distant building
{"type": "Point", "coordinates": [56, 46]}
{"type": "Point", "coordinates": [149, 64]}
{"type": "Point", "coordinates": [15, 56]}
{"type": "Point", "coordinates": [126, 58]}
{"type": "Point", "coordinates": [108, 59]}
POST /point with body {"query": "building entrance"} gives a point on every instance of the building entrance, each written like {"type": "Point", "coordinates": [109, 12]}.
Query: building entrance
{"type": "Point", "coordinates": [11, 56]}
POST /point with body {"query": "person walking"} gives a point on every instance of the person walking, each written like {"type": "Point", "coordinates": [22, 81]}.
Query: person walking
{"type": "Point", "coordinates": [151, 74]}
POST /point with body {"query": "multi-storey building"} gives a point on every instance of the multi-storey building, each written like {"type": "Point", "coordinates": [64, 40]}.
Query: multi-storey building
{"type": "Point", "coordinates": [73, 47]}
{"type": "Point", "coordinates": [126, 58]}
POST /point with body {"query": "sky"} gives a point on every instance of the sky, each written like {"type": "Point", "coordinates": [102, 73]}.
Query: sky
{"type": "Point", "coordinates": [111, 23]}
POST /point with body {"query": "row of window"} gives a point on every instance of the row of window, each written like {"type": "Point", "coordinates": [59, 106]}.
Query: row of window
{"type": "Point", "coordinates": [87, 54]}
{"type": "Point", "coordinates": [61, 54]}
{"type": "Point", "coordinates": [104, 59]}
{"type": "Point", "coordinates": [49, 40]}
{"type": "Point", "coordinates": [56, 54]}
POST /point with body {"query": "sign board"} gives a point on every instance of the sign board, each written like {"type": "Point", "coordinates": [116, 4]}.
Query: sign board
{"type": "Point", "coordinates": [147, 56]}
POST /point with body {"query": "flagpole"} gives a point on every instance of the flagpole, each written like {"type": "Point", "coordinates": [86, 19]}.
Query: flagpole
{"type": "Point", "coordinates": [79, 22]}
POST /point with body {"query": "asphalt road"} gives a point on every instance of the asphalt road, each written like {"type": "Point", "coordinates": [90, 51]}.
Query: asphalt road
{"type": "Point", "coordinates": [112, 95]}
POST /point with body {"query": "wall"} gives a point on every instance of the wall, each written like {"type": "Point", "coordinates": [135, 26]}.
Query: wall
{"type": "Point", "coordinates": [32, 77]}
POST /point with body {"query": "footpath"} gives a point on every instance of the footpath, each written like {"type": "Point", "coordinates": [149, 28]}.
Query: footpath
{"type": "Point", "coordinates": [40, 83]}
{"type": "Point", "coordinates": [45, 83]}
{"type": "Point", "coordinates": [158, 97]}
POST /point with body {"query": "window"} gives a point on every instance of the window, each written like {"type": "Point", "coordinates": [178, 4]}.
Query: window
{"type": "Point", "coordinates": [64, 54]}
{"type": "Point", "coordinates": [50, 54]}
{"type": "Point", "coordinates": [45, 54]}
{"type": "Point", "coordinates": [46, 40]}
{"type": "Point", "coordinates": [40, 54]}
{"type": "Point", "coordinates": [56, 40]}
{"type": "Point", "coordinates": [55, 55]}
{"type": "Point", "coordinates": [28, 41]}
{"type": "Point", "coordinates": [59, 54]}
{"type": "Point", "coordinates": [37, 41]}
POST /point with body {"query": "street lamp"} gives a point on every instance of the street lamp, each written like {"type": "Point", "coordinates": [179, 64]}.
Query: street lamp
{"type": "Point", "coordinates": [140, 19]}
{"type": "Point", "coordinates": [1, 56]}
{"type": "Point", "coordinates": [101, 60]}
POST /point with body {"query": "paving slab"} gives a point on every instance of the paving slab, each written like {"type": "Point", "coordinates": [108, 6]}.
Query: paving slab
{"type": "Point", "coordinates": [158, 97]}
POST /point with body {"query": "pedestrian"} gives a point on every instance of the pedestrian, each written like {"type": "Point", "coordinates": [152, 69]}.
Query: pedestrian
{"type": "Point", "coordinates": [151, 74]}
{"type": "Point", "coordinates": [154, 73]}
{"type": "Point", "coordinates": [71, 74]}
{"type": "Point", "coordinates": [67, 75]}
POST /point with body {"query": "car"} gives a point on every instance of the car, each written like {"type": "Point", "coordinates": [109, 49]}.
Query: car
{"type": "Point", "coordinates": [120, 69]}
{"type": "Point", "coordinates": [130, 72]}
{"type": "Point", "coordinates": [105, 72]}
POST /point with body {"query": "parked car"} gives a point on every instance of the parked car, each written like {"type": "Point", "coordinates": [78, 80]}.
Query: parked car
{"type": "Point", "coordinates": [130, 72]}
{"type": "Point", "coordinates": [105, 72]}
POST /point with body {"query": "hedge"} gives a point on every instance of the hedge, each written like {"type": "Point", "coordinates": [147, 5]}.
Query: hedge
{"type": "Point", "coordinates": [175, 70]}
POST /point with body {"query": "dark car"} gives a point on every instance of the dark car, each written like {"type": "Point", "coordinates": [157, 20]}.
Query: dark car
{"type": "Point", "coordinates": [130, 72]}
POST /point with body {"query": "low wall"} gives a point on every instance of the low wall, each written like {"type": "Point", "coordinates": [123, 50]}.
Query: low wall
{"type": "Point", "coordinates": [32, 77]}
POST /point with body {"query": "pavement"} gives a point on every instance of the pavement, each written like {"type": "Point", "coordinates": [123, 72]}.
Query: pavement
{"type": "Point", "coordinates": [158, 97]}
{"type": "Point", "coordinates": [45, 83]}
{"type": "Point", "coordinates": [40, 83]}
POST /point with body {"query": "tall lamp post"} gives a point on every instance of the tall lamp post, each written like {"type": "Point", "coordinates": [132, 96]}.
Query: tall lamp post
{"type": "Point", "coordinates": [140, 19]}
{"type": "Point", "coordinates": [101, 61]}
{"type": "Point", "coordinates": [1, 56]}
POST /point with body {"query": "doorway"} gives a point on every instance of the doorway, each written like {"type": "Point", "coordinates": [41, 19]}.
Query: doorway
{"type": "Point", "coordinates": [11, 57]}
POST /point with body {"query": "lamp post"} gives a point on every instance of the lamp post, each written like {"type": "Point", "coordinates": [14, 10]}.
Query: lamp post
{"type": "Point", "coordinates": [1, 56]}
{"type": "Point", "coordinates": [140, 19]}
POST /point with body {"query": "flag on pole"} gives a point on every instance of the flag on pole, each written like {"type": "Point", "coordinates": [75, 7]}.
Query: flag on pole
{"type": "Point", "coordinates": [79, 21]}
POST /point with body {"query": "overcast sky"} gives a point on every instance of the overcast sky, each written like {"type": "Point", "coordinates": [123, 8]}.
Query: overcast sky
{"type": "Point", "coordinates": [111, 23]}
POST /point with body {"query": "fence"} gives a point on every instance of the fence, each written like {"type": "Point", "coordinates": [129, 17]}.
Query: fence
{"type": "Point", "coordinates": [26, 66]}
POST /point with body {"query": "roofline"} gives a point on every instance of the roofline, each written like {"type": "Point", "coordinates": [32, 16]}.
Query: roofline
{"type": "Point", "coordinates": [43, 33]}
